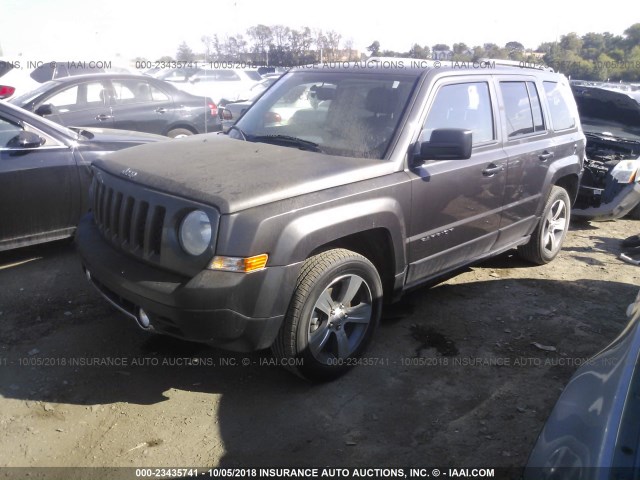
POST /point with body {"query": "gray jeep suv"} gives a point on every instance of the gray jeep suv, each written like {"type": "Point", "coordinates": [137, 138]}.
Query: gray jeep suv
{"type": "Point", "coordinates": [341, 186]}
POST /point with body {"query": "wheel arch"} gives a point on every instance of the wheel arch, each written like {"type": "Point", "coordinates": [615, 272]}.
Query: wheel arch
{"type": "Point", "coordinates": [374, 245]}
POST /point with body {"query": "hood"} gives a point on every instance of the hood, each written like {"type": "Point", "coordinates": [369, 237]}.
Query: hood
{"type": "Point", "coordinates": [608, 110]}
{"type": "Point", "coordinates": [234, 175]}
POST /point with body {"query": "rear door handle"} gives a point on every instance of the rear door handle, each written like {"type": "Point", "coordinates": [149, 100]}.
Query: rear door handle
{"type": "Point", "coordinates": [546, 155]}
{"type": "Point", "coordinates": [104, 117]}
{"type": "Point", "coordinates": [161, 110]}
{"type": "Point", "coordinates": [492, 169]}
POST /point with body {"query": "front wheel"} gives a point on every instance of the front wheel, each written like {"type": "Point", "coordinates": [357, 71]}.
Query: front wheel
{"type": "Point", "coordinates": [332, 316]}
{"type": "Point", "coordinates": [546, 240]}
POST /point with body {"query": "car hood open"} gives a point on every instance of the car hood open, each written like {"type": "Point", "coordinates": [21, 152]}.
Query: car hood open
{"type": "Point", "coordinates": [606, 110]}
{"type": "Point", "coordinates": [234, 175]}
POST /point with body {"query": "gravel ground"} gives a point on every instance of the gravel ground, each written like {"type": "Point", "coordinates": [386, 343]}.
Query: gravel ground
{"type": "Point", "coordinates": [462, 374]}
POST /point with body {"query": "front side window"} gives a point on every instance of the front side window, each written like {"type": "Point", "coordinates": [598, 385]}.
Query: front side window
{"type": "Point", "coordinates": [342, 114]}
{"type": "Point", "coordinates": [462, 105]}
{"type": "Point", "coordinates": [79, 97]}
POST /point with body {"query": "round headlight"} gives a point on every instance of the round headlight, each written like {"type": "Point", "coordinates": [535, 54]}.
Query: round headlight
{"type": "Point", "coordinates": [195, 233]}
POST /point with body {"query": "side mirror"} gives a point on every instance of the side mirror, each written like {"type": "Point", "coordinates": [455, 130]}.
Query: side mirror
{"type": "Point", "coordinates": [25, 140]}
{"type": "Point", "coordinates": [447, 144]}
{"type": "Point", "coordinates": [45, 109]}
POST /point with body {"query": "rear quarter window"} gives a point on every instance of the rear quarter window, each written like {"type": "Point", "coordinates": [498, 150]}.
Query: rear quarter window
{"type": "Point", "coordinates": [560, 106]}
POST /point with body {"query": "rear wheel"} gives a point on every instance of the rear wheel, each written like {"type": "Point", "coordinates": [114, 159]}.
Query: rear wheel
{"type": "Point", "coordinates": [179, 133]}
{"type": "Point", "coordinates": [333, 314]}
{"type": "Point", "coordinates": [546, 240]}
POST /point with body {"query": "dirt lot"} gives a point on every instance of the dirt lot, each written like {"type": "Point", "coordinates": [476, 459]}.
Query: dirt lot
{"type": "Point", "coordinates": [477, 398]}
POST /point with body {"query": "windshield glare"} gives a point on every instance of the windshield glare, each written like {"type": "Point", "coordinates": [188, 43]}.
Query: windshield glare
{"type": "Point", "coordinates": [346, 114]}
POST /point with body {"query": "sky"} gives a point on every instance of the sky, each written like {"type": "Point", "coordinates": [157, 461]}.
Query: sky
{"type": "Point", "coordinates": [88, 30]}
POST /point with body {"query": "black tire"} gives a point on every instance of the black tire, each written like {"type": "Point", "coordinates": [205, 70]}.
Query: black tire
{"type": "Point", "coordinates": [634, 214]}
{"type": "Point", "coordinates": [318, 339]}
{"type": "Point", "coordinates": [546, 240]}
{"type": "Point", "coordinates": [179, 132]}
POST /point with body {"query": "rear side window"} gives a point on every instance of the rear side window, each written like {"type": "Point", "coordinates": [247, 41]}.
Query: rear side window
{"type": "Point", "coordinates": [136, 91]}
{"type": "Point", "coordinates": [522, 108]}
{"type": "Point", "coordinates": [463, 105]}
{"type": "Point", "coordinates": [561, 115]}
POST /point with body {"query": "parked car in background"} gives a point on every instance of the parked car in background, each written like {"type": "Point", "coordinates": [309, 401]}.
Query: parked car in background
{"type": "Point", "coordinates": [231, 111]}
{"type": "Point", "coordinates": [221, 84]}
{"type": "Point", "coordinates": [122, 101]}
{"type": "Point", "coordinates": [610, 186]}
{"type": "Point", "coordinates": [593, 431]}
{"type": "Point", "coordinates": [20, 76]}
{"type": "Point", "coordinates": [45, 174]}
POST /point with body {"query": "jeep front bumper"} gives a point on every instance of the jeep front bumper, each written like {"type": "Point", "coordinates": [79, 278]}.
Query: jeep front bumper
{"type": "Point", "coordinates": [236, 311]}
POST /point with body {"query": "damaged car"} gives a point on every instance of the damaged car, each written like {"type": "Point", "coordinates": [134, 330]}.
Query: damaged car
{"type": "Point", "coordinates": [610, 186]}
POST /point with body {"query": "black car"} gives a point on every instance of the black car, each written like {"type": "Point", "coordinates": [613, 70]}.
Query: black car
{"type": "Point", "coordinates": [45, 173]}
{"type": "Point", "coordinates": [129, 102]}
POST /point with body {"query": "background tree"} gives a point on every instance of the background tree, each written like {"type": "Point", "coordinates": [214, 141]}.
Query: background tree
{"type": "Point", "coordinates": [515, 50]}
{"type": "Point", "coordinates": [374, 48]}
{"type": "Point", "coordinates": [261, 37]}
{"type": "Point", "coordinates": [419, 52]}
{"type": "Point", "coordinates": [185, 54]}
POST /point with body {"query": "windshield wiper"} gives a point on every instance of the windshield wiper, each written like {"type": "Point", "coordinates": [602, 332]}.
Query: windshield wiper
{"type": "Point", "coordinates": [288, 140]}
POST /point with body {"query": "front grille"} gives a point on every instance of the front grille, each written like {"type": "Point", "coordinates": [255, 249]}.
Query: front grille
{"type": "Point", "coordinates": [134, 225]}
{"type": "Point", "coordinates": [144, 223]}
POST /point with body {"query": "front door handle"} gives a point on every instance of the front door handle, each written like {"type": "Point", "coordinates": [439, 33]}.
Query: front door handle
{"type": "Point", "coordinates": [161, 110]}
{"type": "Point", "coordinates": [492, 169]}
{"type": "Point", "coordinates": [104, 117]}
{"type": "Point", "coordinates": [546, 155]}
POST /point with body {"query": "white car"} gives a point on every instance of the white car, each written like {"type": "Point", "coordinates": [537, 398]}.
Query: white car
{"type": "Point", "coordinates": [219, 84]}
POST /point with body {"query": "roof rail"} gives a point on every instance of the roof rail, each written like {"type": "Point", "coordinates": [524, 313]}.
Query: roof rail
{"type": "Point", "coordinates": [517, 63]}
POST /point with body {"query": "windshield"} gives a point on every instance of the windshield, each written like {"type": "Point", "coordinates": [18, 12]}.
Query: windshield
{"type": "Point", "coordinates": [346, 114]}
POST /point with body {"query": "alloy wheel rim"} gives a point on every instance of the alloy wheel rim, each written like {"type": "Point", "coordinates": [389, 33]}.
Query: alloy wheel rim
{"type": "Point", "coordinates": [340, 319]}
{"type": "Point", "coordinates": [554, 227]}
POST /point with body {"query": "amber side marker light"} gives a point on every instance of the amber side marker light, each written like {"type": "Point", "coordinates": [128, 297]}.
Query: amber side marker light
{"type": "Point", "coordinates": [239, 264]}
